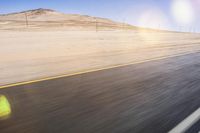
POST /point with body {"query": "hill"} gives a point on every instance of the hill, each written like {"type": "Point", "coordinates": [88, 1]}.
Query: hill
{"type": "Point", "coordinates": [47, 18]}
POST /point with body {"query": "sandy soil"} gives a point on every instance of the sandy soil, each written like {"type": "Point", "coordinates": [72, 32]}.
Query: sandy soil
{"type": "Point", "coordinates": [28, 55]}
{"type": "Point", "coordinates": [54, 43]}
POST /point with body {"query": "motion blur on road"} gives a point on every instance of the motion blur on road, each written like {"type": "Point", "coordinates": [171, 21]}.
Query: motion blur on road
{"type": "Point", "coordinates": [115, 100]}
{"type": "Point", "coordinates": [72, 73]}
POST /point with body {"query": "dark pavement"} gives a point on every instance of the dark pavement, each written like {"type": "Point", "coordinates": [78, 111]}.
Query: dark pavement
{"type": "Point", "coordinates": [195, 128]}
{"type": "Point", "coordinates": [151, 97]}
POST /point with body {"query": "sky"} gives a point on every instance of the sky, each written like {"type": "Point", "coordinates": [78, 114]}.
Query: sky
{"type": "Point", "coordinates": [179, 15]}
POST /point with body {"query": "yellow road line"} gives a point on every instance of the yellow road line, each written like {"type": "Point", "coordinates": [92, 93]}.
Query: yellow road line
{"type": "Point", "coordinates": [90, 71]}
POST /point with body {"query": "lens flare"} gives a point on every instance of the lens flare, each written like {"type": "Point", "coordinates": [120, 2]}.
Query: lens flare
{"type": "Point", "coordinates": [183, 11]}
{"type": "Point", "coordinates": [152, 18]}
{"type": "Point", "coordinates": [5, 109]}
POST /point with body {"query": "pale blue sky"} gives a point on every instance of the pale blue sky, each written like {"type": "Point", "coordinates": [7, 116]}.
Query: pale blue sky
{"type": "Point", "coordinates": [147, 13]}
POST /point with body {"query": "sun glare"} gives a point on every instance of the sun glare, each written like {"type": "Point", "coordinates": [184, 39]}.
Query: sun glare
{"type": "Point", "coordinates": [183, 11]}
{"type": "Point", "coordinates": [152, 18]}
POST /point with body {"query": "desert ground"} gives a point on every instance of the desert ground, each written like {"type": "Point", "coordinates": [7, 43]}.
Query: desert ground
{"type": "Point", "coordinates": [51, 43]}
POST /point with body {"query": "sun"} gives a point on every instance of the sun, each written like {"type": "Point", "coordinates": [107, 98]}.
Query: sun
{"type": "Point", "coordinates": [183, 11]}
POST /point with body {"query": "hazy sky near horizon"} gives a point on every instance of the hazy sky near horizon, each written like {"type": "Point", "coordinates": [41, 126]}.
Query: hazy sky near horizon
{"type": "Point", "coordinates": [181, 15]}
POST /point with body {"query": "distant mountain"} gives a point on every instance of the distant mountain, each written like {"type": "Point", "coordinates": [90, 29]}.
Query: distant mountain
{"type": "Point", "coordinates": [48, 18]}
{"type": "Point", "coordinates": [39, 10]}
{"type": "Point", "coordinates": [48, 15]}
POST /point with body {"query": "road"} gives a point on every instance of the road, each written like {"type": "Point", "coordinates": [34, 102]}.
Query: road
{"type": "Point", "coordinates": [151, 97]}
{"type": "Point", "coordinates": [195, 128]}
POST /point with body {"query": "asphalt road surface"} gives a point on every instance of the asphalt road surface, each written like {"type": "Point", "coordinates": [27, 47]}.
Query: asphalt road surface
{"type": "Point", "coordinates": [195, 128]}
{"type": "Point", "coordinates": [151, 97]}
